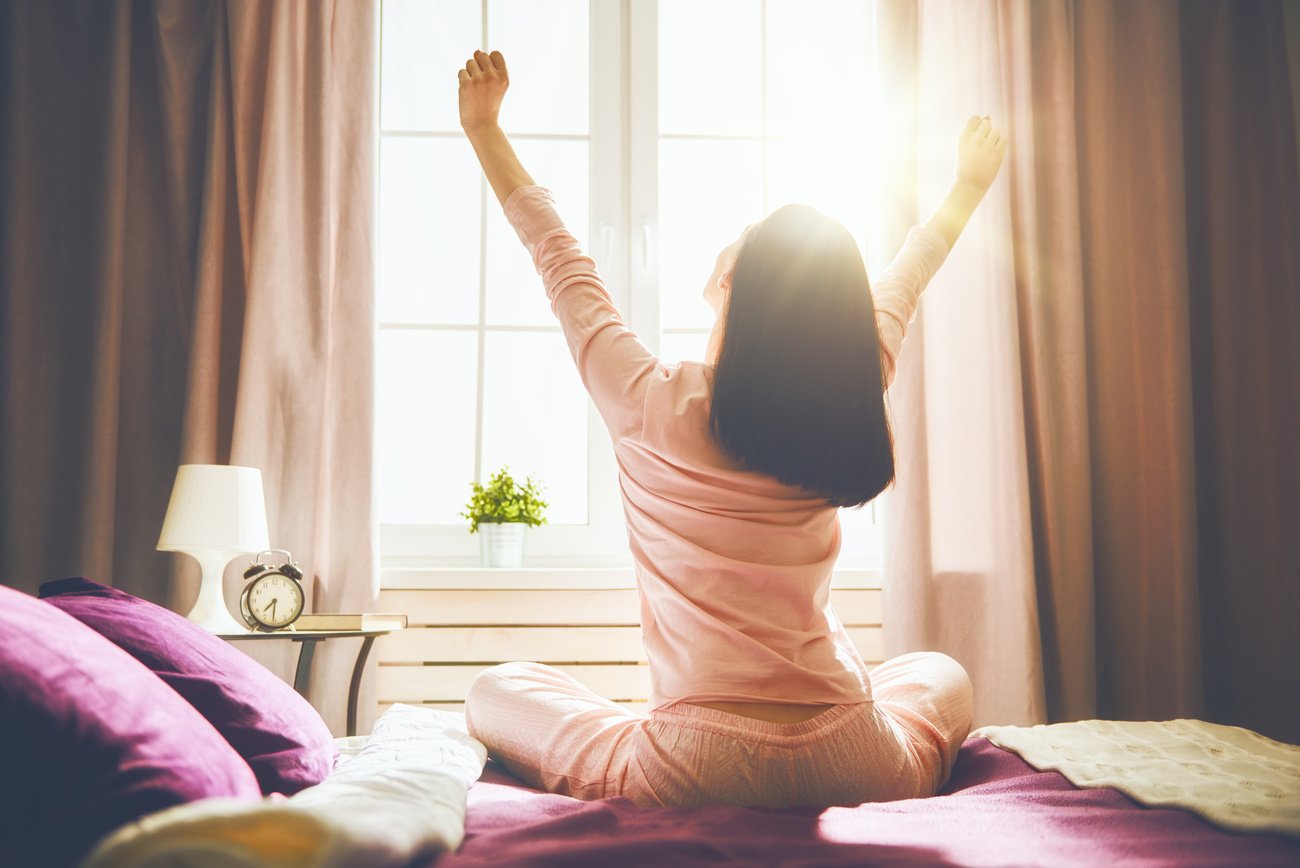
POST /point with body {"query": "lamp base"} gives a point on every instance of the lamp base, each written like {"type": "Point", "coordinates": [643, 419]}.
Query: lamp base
{"type": "Point", "coordinates": [210, 610]}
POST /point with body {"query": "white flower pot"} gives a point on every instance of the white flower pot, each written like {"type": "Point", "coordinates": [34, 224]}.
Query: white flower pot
{"type": "Point", "coordinates": [501, 544]}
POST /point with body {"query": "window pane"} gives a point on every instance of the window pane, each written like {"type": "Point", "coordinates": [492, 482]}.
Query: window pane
{"type": "Point", "coordinates": [515, 295]}
{"type": "Point", "coordinates": [425, 401]}
{"type": "Point", "coordinates": [830, 175]}
{"type": "Point", "coordinates": [535, 418]}
{"type": "Point", "coordinates": [830, 36]}
{"type": "Point", "coordinates": [428, 246]}
{"type": "Point", "coordinates": [678, 347]}
{"type": "Point", "coordinates": [546, 43]}
{"type": "Point", "coordinates": [424, 43]}
{"type": "Point", "coordinates": [710, 67]}
{"type": "Point", "coordinates": [709, 191]}
{"type": "Point", "coordinates": [860, 537]}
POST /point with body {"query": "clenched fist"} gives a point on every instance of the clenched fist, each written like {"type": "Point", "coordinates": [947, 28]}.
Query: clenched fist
{"type": "Point", "coordinates": [483, 84]}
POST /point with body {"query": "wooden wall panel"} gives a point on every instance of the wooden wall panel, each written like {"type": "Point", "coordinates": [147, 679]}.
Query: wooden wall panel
{"type": "Point", "coordinates": [592, 634]}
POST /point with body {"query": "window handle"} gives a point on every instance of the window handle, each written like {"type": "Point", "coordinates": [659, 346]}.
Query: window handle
{"type": "Point", "coordinates": [606, 239]}
{"type": "Point", "coordinates": [646, 243]}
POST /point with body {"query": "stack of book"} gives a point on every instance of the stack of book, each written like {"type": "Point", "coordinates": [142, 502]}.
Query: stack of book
{"type": "Point", "coordinates": [321, 621]}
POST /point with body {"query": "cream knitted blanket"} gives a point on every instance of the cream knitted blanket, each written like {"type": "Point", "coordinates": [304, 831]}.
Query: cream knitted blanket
{"type": "Point", "coordinates": [1232, 777]}
{"type": "Point", "coordinates": [396, 799]}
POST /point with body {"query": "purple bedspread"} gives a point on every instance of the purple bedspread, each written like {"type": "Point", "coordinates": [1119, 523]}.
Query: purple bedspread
{"type": "Point", "coordinates": [996, 810]}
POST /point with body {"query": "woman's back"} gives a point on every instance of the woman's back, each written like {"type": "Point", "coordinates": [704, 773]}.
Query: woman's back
{"type": "Point", "coordinates": [734, 567]}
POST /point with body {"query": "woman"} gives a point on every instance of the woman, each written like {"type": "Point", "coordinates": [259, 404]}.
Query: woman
{"type": "Point", "coordinates": [732, 471]}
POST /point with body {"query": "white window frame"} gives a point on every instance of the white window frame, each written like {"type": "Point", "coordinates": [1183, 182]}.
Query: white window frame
{"type": "Point", "coordinates": [602, 541]}
{"type": "Point", "coordinates": [624, 145]}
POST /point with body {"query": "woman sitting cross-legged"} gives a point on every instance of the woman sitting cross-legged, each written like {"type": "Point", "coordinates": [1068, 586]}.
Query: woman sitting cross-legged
{"type": "Point", "coordinates": [733, 470]}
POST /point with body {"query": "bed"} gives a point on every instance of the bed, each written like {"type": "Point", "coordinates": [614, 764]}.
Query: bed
{"type": "Point", "coordinates": [418, 791]}
{"type": "Point", "coordinates": [996, 810]}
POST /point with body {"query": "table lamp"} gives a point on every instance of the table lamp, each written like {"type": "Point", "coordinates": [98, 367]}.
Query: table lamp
{"type": "Point", "coordinates": [216, 512]}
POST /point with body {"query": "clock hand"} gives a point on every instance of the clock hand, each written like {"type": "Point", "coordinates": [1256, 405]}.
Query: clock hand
{"type": "Point", "coordinates": [270, 610]}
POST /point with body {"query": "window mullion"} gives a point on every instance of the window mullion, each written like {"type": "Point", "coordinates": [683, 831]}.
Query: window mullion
{"type": "Point", "coordinates": [606, 537]}
{"type": "Point", "coordinates": [482, 298]}
{"type": "Point", "coordinates": [762, 103]}
{"type": "Point", "coordinates": [643, 156]}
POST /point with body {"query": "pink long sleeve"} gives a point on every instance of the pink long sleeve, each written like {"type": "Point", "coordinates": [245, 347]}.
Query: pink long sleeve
{"type": "Point", "coordinates": [613, 362]}
{"type": "Point", "coordinates": [733, 567]}
{"type": "Point", "coordinates": [898, 290]}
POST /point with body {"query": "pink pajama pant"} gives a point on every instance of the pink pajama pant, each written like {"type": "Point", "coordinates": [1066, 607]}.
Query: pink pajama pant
{"type": "Point", "coordinates": [554, 734]}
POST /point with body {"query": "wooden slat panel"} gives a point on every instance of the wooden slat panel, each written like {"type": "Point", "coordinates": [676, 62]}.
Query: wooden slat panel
{"type": "Point", "coordinates": [547, 645]}
{"type": "Point", "coordinates": [634, 707]}
{"type": "Point", "coordinates": [451, 683]}
{"type": "Point", "coordinates": [474, 578]}
{"type": "Point", "coordinates": [503, 644]}
{"type": "Point", "coordinates": [540, 607]}
{"type": "Point", "coordinates": [870, 642]}
{"type": "Point", "coordinates": [593, 626]}
{"type": "Point", "coordinates": [855, 607]}
{"type": "Point", "coordinates": [858, 608]}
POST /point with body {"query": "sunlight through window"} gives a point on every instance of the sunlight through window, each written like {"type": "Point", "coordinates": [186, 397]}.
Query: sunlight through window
{"type": "Point", "coordinates": [759, 103]}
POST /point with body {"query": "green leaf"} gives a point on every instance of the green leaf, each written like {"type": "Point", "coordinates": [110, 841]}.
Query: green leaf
{"type": "Point", "coordinates": [504, 500]}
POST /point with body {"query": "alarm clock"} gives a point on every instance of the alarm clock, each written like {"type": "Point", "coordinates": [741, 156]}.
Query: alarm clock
{"type": "Point", "coordinates": [273, 598]}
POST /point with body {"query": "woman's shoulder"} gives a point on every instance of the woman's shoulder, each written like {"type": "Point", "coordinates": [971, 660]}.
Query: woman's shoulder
{"type": "Point", "coordinates": [680, 383]}
{"type": "Point", "coordinates": [685, 371]}
{"type": "Point", "coordinates": [677, 403]}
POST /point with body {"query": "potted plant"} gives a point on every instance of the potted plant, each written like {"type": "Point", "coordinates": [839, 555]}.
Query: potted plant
{"type": "Point", "coordinates": [500, 512]}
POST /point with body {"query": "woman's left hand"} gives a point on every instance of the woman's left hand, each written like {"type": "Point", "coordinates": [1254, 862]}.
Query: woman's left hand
{"type": "Point", "coordinates": [980, 149]}
{"type": "Point", "coordinates": [483, 84]}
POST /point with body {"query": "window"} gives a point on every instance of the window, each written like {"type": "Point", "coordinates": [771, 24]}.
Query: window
{"type": "Point", "coordinates": [664, 128]}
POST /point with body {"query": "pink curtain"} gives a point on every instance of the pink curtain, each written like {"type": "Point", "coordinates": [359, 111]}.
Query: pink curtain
{"type": "Point", "coordinates": [188, 256]}
{"type": "Point", "coordinates": [960, 575]}
{"type": "Point", "coordinates": [281, 373]}
{"type": "Point", "coordinates": [1060, 488]}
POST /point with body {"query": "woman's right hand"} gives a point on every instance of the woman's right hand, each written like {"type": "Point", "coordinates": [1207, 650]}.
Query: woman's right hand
{"type": "Point", "coordinates": [980, 149]}
{"type": "Point", "coordinates": [483, 83]}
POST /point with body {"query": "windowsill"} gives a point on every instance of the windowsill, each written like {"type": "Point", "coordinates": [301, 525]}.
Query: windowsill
{"type": "Point", "coordinates": [553, 577]}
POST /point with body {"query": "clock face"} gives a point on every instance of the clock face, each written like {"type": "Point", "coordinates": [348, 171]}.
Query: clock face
{"type": "Point", "coordinates": [274, 600]}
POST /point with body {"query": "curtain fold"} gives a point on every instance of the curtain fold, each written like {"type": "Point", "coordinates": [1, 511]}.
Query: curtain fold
{"type": "Point", "coordinates": [1132, 213]}
{"type": "Point", "coordinates": [187, 266]}
{"type": "Point", "coordinates": [1243, 295]}
{"type": "Point", "coordinates": [1036, 56]}
{"type": "Point", "coordinates": [1115, 493]}
{"type": "Point", "coordinates": [958, 541]}
{"type": "Point", "coordinates": [89, 424]}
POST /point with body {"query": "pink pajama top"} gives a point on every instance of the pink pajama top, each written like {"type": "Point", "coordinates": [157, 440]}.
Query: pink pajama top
{"type": "Point", "coordinates": [733, 568]}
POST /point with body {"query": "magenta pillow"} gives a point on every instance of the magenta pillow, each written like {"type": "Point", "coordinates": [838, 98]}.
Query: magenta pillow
{"type": "Point", "coordinates": [272, 727]}
{"type": "Point", "coordinates": [90, 739]}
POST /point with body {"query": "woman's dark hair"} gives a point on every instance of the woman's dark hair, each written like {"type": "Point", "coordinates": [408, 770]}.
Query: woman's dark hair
{"type": "Point", "coordinates": [798, 393]}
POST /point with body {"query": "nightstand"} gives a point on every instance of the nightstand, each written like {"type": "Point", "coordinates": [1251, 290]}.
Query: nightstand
{"type": "Point", "coordinates": [309, 639]}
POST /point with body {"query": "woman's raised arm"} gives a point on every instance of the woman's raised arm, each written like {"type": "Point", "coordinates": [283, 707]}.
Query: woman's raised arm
{"type": "Point", "coordinates": [980, 148]}
{"type": "Point", "coordinates": [614, 364]}
{"type": "Point", "coordinates": [483, 84]}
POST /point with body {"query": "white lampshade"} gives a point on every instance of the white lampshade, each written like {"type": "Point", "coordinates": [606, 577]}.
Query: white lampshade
{"type": "Point", "coordinates": [216, 512]}
{"type": "Point", "coordinates": [217, 507]}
